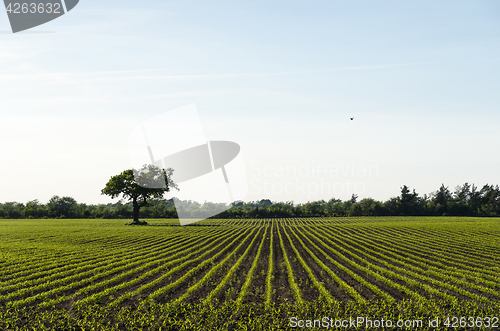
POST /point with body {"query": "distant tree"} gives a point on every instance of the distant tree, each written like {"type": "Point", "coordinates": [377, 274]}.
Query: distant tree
{"type": "Point", "coordinates": [238, 203]}
{"type": "Point", "coordinates": [379, 209]}
{"type": "Point", "coordinates": [490, 200]}
{"type": "Point", "coordinates": [34, 209]}
{"type": "Point", "coordinates": [12, 210]}
{"type": "Point", "coordinates": [314, 208]}
{"type": "Point", "coordinates": [392, 206]}
{"type": "Point", "coordinates": [356, 210]}
{"type": "Point", "coordinates": [474, 200]}
{"type": "Point", "coordinates": [462, 193]}
{"type": "Point", "coordinates": [461, 198]}
{"type": "Point", "coordinates": [442, 197]}
{"type": "Point", "coordinates": [282, 209]}
{"type": "Point", "coordinates": [408, 201]}
{"type": "Point", "coordinates": [62, 207]}
{"type": "Point", "coordinates": [128, 185]}
{"type": "Point", "coordinates": [334, 207]}
{"type": "Point", "coordinates": [368, 206]}
{"type": "Point", "coordinates": [265, 202]}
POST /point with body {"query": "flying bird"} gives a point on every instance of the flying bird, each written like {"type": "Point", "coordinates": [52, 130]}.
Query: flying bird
{"type": "Point", "coordinates": [352, 118]}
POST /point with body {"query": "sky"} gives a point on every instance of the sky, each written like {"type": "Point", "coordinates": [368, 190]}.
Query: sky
{"type": "Point", "coordinates": [280, 78]}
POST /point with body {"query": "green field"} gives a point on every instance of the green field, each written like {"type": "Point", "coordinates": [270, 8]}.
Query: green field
{"type": "Point", "coordinates": [248, 274]}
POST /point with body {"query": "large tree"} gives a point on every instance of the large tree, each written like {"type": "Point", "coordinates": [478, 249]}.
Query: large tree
{"type": "Point", "coordinates": [140, 186]}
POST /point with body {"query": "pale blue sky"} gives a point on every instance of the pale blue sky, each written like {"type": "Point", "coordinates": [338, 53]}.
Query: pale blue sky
{"type": "Point", "coordinates": [280, 78]}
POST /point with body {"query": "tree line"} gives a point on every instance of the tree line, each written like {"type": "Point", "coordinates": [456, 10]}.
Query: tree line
{"type": "Point", "coordinates": [465, 200]}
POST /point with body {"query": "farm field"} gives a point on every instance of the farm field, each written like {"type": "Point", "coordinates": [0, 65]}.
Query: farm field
{"type": "Point", "coordinates": [247, 274]}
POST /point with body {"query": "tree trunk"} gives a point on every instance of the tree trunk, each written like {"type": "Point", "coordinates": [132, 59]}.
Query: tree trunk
{"type": "Point", "coordinates": [136, 210]}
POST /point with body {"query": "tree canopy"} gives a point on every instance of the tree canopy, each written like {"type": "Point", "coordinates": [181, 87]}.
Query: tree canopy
{"type": "Point", "coordinates": [140, 186]}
